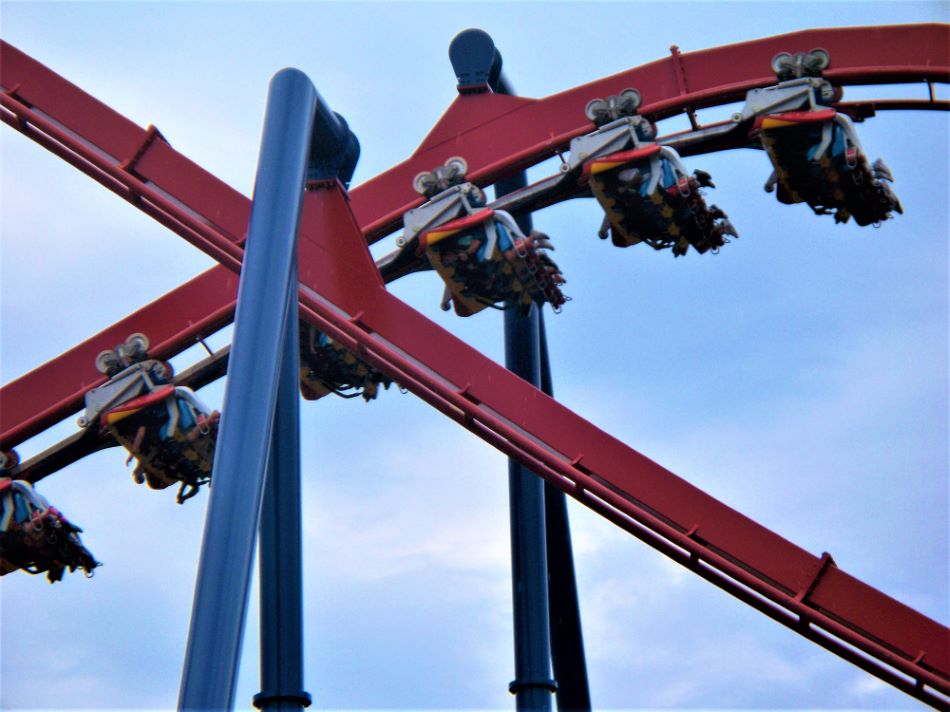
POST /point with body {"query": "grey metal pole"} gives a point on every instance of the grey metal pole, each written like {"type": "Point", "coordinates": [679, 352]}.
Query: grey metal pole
{"type": "Point", "coordinates": [227, 548]}
{"type": "Point", "coordinates": [280, 578]}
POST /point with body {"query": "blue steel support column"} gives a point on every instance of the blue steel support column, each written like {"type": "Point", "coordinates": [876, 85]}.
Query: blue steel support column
{"type": "Point", "coordinates": [224, 571]}
{"type": "Point", "coordinates": [567, 639]}
{"type": "Point", "coordinates": [533, 684]}
{"type": "Point", "coordinates": [334, 151]}
{"type": "Point", "coordinates": [478, 63]}
{"type": "Point", "coordinates": [281, 582]}
{"type": "Point", "coordinates": [541, 542]}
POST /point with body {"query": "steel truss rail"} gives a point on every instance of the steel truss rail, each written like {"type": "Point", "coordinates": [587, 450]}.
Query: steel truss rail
{"type": "Point", "coordinates": [496, 134]}
{"type": "Point", "coordinates": [342, 293]}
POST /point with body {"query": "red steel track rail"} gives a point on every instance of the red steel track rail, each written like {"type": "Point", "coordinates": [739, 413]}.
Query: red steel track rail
{"type": "Point", "coordinates": [496, 134]}
{"type": "Point", "coordinates": [342, 293]}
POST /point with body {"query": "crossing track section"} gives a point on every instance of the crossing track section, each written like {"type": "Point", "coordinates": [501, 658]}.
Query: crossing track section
{"type": "Point", "coordinates": [343, 294]}
{"type": "Point", "coordinates": [497, 134]}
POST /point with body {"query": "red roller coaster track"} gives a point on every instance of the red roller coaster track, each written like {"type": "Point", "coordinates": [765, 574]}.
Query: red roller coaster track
{"type": "Point", "coordinates": [343, 294]}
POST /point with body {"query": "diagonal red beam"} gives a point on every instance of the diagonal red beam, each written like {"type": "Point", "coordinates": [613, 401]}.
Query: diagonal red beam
{"type": "Point", "coordinates": [734, 552]}
{"type": "Point", "coordinates": [345, 298]}
{"type": "Point", "coordinates": [496, 134]}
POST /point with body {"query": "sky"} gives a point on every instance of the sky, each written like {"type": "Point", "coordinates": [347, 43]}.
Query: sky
{"type": "Point", "coordinates": [801, 375]}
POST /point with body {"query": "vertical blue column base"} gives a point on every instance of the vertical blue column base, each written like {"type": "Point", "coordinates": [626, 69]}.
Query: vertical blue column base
{"type": "Point", "coordinates": [276, 699]}
{"type": "Point", "coordinates": [516, 686]}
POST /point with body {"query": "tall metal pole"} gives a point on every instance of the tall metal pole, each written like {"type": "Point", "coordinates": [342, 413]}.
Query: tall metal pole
{"type": "Point", "coordinates": [281, 580]}
{"type": "Point", "coordinates": [533, 683]}
{"type": "Point", "coordinates": [567, 638]}
{"type": "Point", "coordinates": [542, 557]}
{"type": "Point", "coordinates": [224, 570]}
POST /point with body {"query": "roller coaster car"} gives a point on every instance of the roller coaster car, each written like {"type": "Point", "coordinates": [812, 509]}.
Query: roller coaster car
{"type": "Point", "coordinates": [648, 197]}
{"type": "Point", "coordinates": [166, 428]}
{"type": "Point", "coordinates": [818, 160]}
{"type": "Point", "coordinates": [326, 367]}
{"type": "Point", "coordinates": [35, 537]}
{"type": "Point", "coordinates": [643, 187]}
{"type": "Point", "coordinates": [171, 434]}
{"type": "Point", "coordinates": [484, 258]}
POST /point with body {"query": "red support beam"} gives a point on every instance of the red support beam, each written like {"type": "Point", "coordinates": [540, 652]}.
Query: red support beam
{"type": "Point", "coordinates": [804, 592]}
{"type": "Point", "coordinates": [724, 546]}
{"type": "Point", "coordinates": [496, 134]}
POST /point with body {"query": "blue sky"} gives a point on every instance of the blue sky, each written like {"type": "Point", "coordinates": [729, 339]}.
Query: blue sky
{"type": "Point", "coordinates": [800, 375]}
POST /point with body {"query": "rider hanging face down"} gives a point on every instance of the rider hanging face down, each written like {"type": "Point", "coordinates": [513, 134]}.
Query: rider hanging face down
{"type": "Point", "coordinates": [37, 538]}
{"type": "Point", "coordinates": [482, 255]}
{"type": "Point", "coordinates": [817, 159]}
{"type": "Point", "coordinates": [648, 196]}
{"type": "Point", "coordinates": [815, 152]}
{"type": "Point", "coordinates": [165, 428]}
{"type": "Point", "coordinates": [485, 259]}
{"type": "Point", "coordinates": [171, 434]}
{"type": "Point", "coordinates": [328, 367]}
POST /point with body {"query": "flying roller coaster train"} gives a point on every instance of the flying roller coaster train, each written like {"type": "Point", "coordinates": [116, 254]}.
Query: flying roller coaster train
{"type": "Point", "coordinates": [313, 316]}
